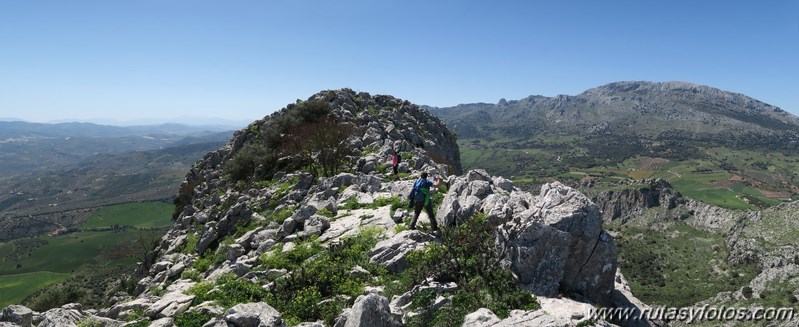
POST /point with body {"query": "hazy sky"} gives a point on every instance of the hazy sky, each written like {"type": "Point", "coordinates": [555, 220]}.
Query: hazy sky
{"type": "Point", "coordinates": [241, 60]}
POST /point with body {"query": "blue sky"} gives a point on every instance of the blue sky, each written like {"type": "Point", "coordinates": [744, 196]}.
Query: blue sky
{"type": "Point", "coordinates": [241, 60]}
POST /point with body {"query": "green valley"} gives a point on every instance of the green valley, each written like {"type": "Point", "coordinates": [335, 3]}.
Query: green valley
{"type": "Point", "coordinates": [108, 240]}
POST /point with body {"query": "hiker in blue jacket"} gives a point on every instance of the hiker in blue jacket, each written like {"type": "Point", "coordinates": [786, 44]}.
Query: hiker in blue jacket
{"type": "Point", "coordinates": [420, 195]}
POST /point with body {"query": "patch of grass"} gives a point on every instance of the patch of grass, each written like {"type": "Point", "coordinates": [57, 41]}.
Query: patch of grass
{"type": "Point", "coordinates": [191, 274]}
{"type": "Point", "coordinates": [277, 259]}
{"type": "Point", "coordinates": [191, 244]}
{"type": "Point", "coordinates": [140, 214]}
{"type": "Point", "coordinates": [192, 319]}
{"type": "Point", "coordinates": [208, 259]}
{"type": "Point", "coordinates": [90, 322]}
{"type": "Point", "coordinates": [15, 288]}
{"type": "Point", "coordinates": [368, 150]}
{"type": "Point", "coordinates": [326, 213]}
{"type": "Point", "coordinates": [227, 291]}
{"type": "Point", "coordinates": [351, 204]}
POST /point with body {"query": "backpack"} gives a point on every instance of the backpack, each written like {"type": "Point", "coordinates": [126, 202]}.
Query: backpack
{"type": "Point", "coordinates": [417, 194]}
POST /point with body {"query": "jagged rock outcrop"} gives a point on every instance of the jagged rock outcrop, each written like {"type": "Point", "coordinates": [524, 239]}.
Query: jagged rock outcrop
{"type": "Point", "coordinates": [631, 198]}
{"type": "Point", "coordinates": [557, 245]}
{"type": "Point", "coordinates": [553, 242]}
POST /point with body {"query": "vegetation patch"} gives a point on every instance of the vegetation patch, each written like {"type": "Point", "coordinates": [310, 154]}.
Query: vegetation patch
{"type": "Point", "coordinates": [191, 319]}
{"type": "Point", "coordinates": [678, 265]}
{"type": "Point", "coordinates": [15, 288]}
{"type": "Point", "coordinates": [466, 256]}
{"type": "Point", "coordinates": [140, 214]}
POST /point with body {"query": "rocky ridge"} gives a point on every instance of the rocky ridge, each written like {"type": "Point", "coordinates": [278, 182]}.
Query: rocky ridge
{"type": "Point", "coordinates": [766, 237]}
{"type": "Point", "coordinates": [553, 242]}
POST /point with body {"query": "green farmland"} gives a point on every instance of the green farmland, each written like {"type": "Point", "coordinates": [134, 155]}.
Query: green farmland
{"type": "Point", "coordinates": [31, 264]}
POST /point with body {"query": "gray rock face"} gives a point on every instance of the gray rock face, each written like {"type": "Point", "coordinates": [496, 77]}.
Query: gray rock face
{"type": "Point", "coordinates": [17, 314]}
{"type": "Point", "coordinates": [391, 253]}
{"type": "Point", "coordinates": [559, 244]}
{"type": "Point", "coordinates": [253, 315]}
{"type": "Point", "coordinates": [632, 198]}
{"type": "Point", "coordinates": [484, 317]}
{"type": "Point", "coordinates": [481, 317]}
{"type": "Point", "coordinates": [61, 317]}
{"type": "Point", "coordinates": [369, 310]}
{"type": "Point", "coordinates": [170, 305]}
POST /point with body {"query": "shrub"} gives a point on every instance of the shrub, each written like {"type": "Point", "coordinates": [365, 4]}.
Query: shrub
{"type": "Point", "coordinates": [227, 291]}
{"type": "Point", "coordinates": [56, 296]}
{"type": "Point", "coordinates": [192, 319]}
{"type": "Point", "coordinates": [259, 157]}
{"type": "Point", "coordinates": [464, 255]}
{"type": "Point", "coordinates": [191, 274]}
{"type": "Point", "coordinates": [191, 243]}
{"type": "Point", "coordinates": [208, 259]}
{"type": "Point", "coordinates": [277, 259]}
{"type": "Point", "coordinates": [322, 276]}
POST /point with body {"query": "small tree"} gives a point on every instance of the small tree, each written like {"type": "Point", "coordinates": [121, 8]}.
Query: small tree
{"type": "Point", "coordinates": [318, 145]}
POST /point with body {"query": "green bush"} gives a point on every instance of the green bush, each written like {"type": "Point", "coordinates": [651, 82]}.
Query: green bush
{"type": "Point", "coordinates": [191, 274]}
{"type": "Point", "coordinates": [56, 296]}
{"type": "Point", "coordinates": [465, 255]}
{"type": "Point", "coordinates": [192, 319]}
{"type": "Point", "coordinates": [191, 243]}
{"type": "Point", "coordinates": [262, 152]}
{"type": "Point", "coordinates": [227, 291]}
{"type": "Point", "coordinates": [208, 259]}
{"type": "Point", "coordinates": [321, 274]}
{"type": "Point", "coordinates": [277, 259]}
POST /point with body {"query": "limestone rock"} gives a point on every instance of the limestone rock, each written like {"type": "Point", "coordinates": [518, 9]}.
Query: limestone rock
{"type": "Point", "coordinates": [391, 253]}
{"type": "Point", "coordinates": [257, 314]}
{"type": "Point", "coordinates": [480, 318]}
{"type": "Point", "coordinates": [558, 243]}
{"type": "Point", "coordinates": [369, 310]}
{"type": "Point", "coordinates": [170, 305]}
{"type": "Point", "coordinates": [17, 314]}
{"type": "Point", "coordinates": [60, 317]}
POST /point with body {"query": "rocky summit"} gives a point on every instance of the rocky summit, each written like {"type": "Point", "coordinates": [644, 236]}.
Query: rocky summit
{"type": "Point", "coordinates": [269, 231]}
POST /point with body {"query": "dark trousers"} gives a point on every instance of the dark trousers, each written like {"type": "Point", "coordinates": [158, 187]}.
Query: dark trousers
{"type": "Point", "coordinates": [419, 205]}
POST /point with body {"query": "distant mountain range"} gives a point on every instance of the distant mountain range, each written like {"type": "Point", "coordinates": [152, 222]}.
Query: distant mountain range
{"type": "Point", "coordinates": [624, 108]}
{"type": "Point", "coordinates": [74, 129]}
{"type": "Point", "coordinates": [701, 138]}
{"type": "Point", "coordinates": [26, 147]}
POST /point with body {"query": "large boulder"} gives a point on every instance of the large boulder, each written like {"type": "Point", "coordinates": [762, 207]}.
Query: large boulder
{"type": "Point", "coordinates": [369, 310]}
{"type": "Point", "coordinates": [17, 314]}
{"type": "Point", "coordinates": [257, 314]}
{"type": "Point", "coordinates": [170, 305]}
{"type": "Point", "coordinates": [391, 253]}
{"type": "Point", "coordinates": [558, 245]}
{"type": "Point", "coordinates": [61, 317]}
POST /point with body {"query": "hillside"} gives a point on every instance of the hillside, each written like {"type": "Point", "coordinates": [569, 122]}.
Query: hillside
{"type": "Point", "coordinates": [720, 147]}
{"type": "Point", "coordinates": [272, 232]}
